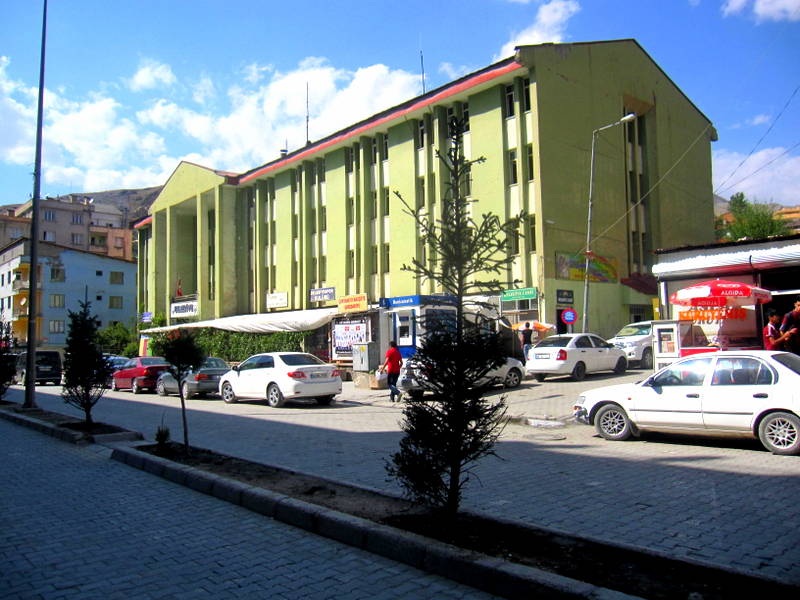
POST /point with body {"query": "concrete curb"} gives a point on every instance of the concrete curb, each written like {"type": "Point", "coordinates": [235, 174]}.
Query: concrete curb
{"type": "Point", "coordinates": [28, 419]}
{"type": "Point", "coordinates": [492, 575]}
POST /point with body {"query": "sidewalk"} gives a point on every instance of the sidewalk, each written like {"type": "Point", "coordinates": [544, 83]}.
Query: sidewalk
{"type": "Point", "coordinates": [77, 525]}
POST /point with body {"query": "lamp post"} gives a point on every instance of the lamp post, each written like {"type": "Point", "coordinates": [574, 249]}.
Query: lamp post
{"type": "Point", "coordinates": [585, 323]}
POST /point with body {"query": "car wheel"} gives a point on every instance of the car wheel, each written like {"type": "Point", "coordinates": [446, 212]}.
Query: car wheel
{"type": "Point", "coordinates": [186, 393]}
{"type": "Point", "coordinates": [160, 389]}
{"type": "Point", "coordinates": [135, 389]}
{"type": "Point", "coordinates": [780, 433]}
{"type": "Point", "coordinates": [513, 378]}
{"type": "Point", "coordinates": [274, 396]}
{"type": "Point", "coordinates": [324, 400]}
{"type": "Point", "coordinates": [540, 377]}
{"type": "Point", "coordinates": [622, 364]}
{"type": "Point", "coordinates": [114, 386]}
{"type": "Point", "coordinates": [579, 372]}
{"type": "Point", "coordinates": [227, 393]}
{"type": "Point", "coordinates": [612, 423]}
{"type": "Point", "coordinates": [647, 359]}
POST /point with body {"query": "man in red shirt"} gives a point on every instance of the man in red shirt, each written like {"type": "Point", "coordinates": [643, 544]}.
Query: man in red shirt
{"type": "Point", "coordinates": [392, 367]}
{"type": "Point", "coordinates": [773, 338]}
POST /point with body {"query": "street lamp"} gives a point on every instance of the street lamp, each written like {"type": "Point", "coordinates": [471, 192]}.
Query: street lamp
{"type": "Point", "coordinates": [627, 118]}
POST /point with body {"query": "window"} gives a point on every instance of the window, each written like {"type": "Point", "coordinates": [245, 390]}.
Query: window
{"type": "Point", "coordinates": [741, 371]}
{"type": "Point", "coordinates": [351, 263]}
{"type": "Point", "coordinates": [373, 204]}
{"type": "Point", "coordinates": [49, 215]}
{"type": "Point", "coordinates": [348, 160]}
{"type": "Point", "coordinates": [689, 372]}
{"type": "Point", "coordinates": [115, 302]}
{"type": "Point", "coordinates": [374, 150]}
{"type": "Point", "coordinates": [323, 268]}
{"type": "Point", "coordinates": [512, 167]}
{"type": "Point", "coordinates": [420, 139]}
{"type": "Point", "coordinates": [529, 161]}
{"type": "Point", "coordinates": [373, 263]}
{"type": "Point", "coordinates": [77, 239]}
{"type": "Point", "coordinates": [583, 342]}
{"type": "Point", "coordinates": [420, 192]}
{"type": "Point", "coordinates": [323, 218]}
{"type": "Point", "coordinates": [312, 219]}
{"type": "Point", "coordinates": [98, 273]}
{"type": "Point", "coordinates": [526, 95]}
{"type": "Point", "coordinates": [385, 196]}
{"type": "Point", "coordinates": [116, 277]}
{"type": "Point", "coordinates": [48, 236]}
{"type": "Point", "coordinates": [294, 226]}
{"type": "Point", "coordinates": [98, 298]}
{"type": "Point", "coordinates": [513, 242]}
{"type": "Point", "coordinates": [119, 242]}
{"type": "Point", "coordinates": [56, 300]}
{"type": "Point", "coordinates": [532, 233]}
{"type": "Point", "coordinates": [351, 210]}
{"type": "Point", "coordinates": [56, 274]}
{"type": "Point", "coordinates": [321, 170]}
{"type": "Point", "coordinates": [385, 146]}
{"type": "Point", "coordinates": [508, 103]}
{"type": "Point", "coordinates": [15, 233]}
{"type": "Point", "coordinates": [386, 258]}
{"type": "Point", "coordinates": [465, 116]}
{"type": "Point", "coordinates": [57, 326]}
{"type": "Point", "coordinates": [77, 218]}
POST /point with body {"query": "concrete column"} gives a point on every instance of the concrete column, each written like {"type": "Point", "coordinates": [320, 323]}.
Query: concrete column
{"type": "Point", "coordinates": [206, 311]}
{"type": "Point", "coordinates": [259, 246]}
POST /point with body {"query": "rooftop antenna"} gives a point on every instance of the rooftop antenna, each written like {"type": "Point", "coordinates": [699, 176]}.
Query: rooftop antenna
{"type": "Point", "coordinates": [308, 140]}
{"type": "Point", "coordinates": [422, 68]}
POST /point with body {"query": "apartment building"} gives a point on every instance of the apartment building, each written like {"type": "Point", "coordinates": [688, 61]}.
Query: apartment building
{"type": "Point", "coordinates": [322, 224]}
{"type": "Point", "coordinates": [66, 277]}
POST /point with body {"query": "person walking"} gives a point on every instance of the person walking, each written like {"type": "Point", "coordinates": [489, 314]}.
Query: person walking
{"type": "Point", "coordinates": [526, 334]}
{"type": "Point", "coordinates": [392, 366]}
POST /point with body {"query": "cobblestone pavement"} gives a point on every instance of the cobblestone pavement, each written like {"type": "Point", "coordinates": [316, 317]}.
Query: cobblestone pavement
{"type": "Point", "coordinates": [75, 524]}
{"type": "Point", "coordinates": [727, 502]}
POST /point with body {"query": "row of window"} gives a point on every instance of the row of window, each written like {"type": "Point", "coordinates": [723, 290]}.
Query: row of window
{"type": "Point", "coordinates": [513, 169]}
{"type": "Point", "coordinates": [57, 274]}
{"type": "Point", "coordinates": [58, 301]}
{"type": "Point", "coordinates": [58, 325]}
{"type": "Point", "coordinates": [510, 97]}
{"type": "Point", "coordinates": [50, 216]}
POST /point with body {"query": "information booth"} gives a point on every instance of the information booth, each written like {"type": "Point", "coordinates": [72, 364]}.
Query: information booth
{"type": "Point", "coordinates": [412, 315]}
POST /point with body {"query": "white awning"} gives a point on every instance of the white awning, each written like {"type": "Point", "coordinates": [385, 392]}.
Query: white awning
{"type": "Point", "coordinates": [711, 261]}
{"type": "Point", "coordinates": [295, 320]}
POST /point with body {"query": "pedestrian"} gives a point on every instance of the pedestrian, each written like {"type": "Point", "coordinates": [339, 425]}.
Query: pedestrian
{"type": "Point", "coordinates": [526, 335]}
{"type": "Point", "coordinates": [392, 367]}
{"type": "Point", "coordinates": [773, 338]}
{"type": "Point", "coordinates": [791, 321]}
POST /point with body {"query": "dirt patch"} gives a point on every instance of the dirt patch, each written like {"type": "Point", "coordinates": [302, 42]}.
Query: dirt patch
{"type": "Point", "coordinates": [92, 428]}
{"type": "Point", "coordinates": [616, 568]}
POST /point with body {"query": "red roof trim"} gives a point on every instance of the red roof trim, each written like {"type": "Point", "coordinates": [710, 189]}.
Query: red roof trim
{"type": "Point", "coordinates": [422, 103]}
{"type": "Point", "coordinates": [143, 222]}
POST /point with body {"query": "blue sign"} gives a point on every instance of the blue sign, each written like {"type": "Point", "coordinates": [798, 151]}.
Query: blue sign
{"type": "Point", "coordinates": [147, 317]}
{"type": "Point", "coordinates": [569, 316]}
{"type": "Point", "coordinates": [322, 294]}
{"type": "Point", "coordinates": [418, 300]}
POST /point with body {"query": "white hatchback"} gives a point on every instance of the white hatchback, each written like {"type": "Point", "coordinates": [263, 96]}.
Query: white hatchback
{"type": "Point", "coordinates": [574, 354]}
{"type": "Point", "coordinates": [742, 394]}
{"type": "Point", "coordinates": [279, 376]}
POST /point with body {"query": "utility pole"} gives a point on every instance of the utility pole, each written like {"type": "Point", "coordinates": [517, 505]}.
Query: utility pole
{"type": "Point", "coordinates": [33, 276]}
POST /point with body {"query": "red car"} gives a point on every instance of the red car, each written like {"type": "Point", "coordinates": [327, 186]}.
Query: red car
{"type": "Point", "coordinates": [139, 373]}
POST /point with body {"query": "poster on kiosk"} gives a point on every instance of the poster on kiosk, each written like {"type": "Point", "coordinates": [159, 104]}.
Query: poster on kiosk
{"type": "Point", "coordinates": [711, 316]}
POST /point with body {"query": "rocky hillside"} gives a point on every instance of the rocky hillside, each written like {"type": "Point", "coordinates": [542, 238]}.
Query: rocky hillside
{"type": "Point", "coordinates": [136, 202]}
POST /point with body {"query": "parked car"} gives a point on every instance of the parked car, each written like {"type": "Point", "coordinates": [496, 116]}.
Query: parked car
{"type": "Point", "coordinates": [574, 354]}
{"type": "Point", "coordinates": [411, 378]}
{"type": "Point", "coordinates": [48, 367]}
{"type": "Point", "coordinates": [746, 394]}
{"type": "Point", "coordinates": [115, 362]}
{"type": "Point", "coordinates": [204, 380]}
{"type": "Point", "coordinates": [139, 373]}
{"type": "Point", "coordinates": [277, 376]}
{"type": "Point", "coordinates": [636, 341]}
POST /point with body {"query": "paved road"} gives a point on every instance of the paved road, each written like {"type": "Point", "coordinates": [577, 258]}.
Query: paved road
{"type": "Point", "coordinates": [75, 524]}
{"type": "Point", "coordinates": [725, 502]}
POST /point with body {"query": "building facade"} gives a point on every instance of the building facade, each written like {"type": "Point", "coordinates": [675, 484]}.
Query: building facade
{"type": "Point", "coordinates": [66, 277]}
{"type": "Point", "coordinates": [324, 222]}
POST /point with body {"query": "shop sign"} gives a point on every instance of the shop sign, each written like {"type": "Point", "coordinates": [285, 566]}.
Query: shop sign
{"type": "Point", "coordinates": [520, 294]}
{"type": "Point", "coordinates": [277, 300]}
{"type": "Point", "coordinates": [181, 310]}
{"type": "Point", "coordinates": [354, 303]}
{"type": "Point", "coordinates": [322, 294]}
{"type": "Point", "coordinates": [714, 315]}
{"type": "Point", "coordinates": [565, 297]}
{"type": "Point", "coordinates": [147, 317]}
{"type": "Point", "coordinates": [418, 300]}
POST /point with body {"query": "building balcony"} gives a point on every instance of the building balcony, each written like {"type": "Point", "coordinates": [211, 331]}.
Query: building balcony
{"type": "Point", "coordinates": [19, 313]}
{"type": "Point", "coordinates": [24, 285]}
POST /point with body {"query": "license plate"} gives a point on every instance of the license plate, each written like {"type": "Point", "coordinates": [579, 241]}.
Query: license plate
{"type": "Point", "coordinates": [318, 375]}
{"type": "Point", "coordinates": [542, 356]}
{"type": "Point", "coordinates": [44, 368]}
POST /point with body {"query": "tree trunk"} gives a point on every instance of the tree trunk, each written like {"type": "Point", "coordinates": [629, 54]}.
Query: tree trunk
{"type": "Point", "coordinates": [183, 419]}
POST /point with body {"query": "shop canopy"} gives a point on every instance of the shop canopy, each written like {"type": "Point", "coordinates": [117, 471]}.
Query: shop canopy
{"type": "Point", "coordinates": [295, 320]}
{"type": "Point", "coordinates": [721, 292]}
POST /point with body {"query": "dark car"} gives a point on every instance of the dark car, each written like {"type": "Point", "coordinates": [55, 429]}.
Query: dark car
{"type": "Point", "coordinates": [115, 363]}
{"type": "Point", "coordinates": [204, 380]}
{"type": "Point", "coordinates": [139, 373]}
{"type": "Point", "coordinates": [48, 367]}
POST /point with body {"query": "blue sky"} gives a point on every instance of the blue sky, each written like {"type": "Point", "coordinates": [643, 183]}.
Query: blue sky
{"type": "Point", "coordinates": [134, 87]}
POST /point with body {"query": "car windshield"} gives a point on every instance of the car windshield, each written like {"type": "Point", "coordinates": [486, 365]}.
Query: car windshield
{"type": "Point", "coordinates": [790, 361]}
{"type": "Point", "coordinates": [47, 359]}
{"type": "Point", "coordinates": [153, 360]}
{"type": "Point", "coordinates": [634, 329]}
{"type": "Point", "coordinates": [294, 360]}
{"type": "Point", "coordinates": [555, 341]}
{"type": "Point", "coordinates": [214, 363]}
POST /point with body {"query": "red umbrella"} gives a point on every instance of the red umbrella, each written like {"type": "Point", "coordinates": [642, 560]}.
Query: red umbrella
{"type": "Point", "coordinates": [721, 292]}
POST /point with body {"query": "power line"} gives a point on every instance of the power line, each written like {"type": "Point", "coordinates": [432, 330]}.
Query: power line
{"type": "Point", "coordinates": [761, 139]}
{"type": "Point", "coordinates": [764, 165]}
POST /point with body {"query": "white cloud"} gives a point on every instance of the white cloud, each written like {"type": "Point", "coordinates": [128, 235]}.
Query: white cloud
{"type": "Point", "coordinates": [150, 75]}
{"type": "Point", "coordinates": [765, 10]}
{"type": "Point", "coordinates": [204, 90]}
{"type": "Point", "coordinates": [758, 120]}
{"type": "Point", "coordinates": [452, 71]}
{"type": "Point", "coordinates": [253, 73]}
{"type": "Point", "coordinates": [777, 180]}
{"type": "Point", "coordinates": [549, 26]}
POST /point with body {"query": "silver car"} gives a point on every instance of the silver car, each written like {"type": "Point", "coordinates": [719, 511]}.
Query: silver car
{"type": "Point", "coordinates": [509, 375]}
{"type": "Point", "coordinates": [204, 380]}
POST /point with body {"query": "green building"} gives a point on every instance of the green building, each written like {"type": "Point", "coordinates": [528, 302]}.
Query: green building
{"type": "Point", "coordinates": [322, 223]}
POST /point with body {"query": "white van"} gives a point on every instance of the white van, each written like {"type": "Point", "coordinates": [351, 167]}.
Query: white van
{"type": "Point", "coordinates": [636, 340]}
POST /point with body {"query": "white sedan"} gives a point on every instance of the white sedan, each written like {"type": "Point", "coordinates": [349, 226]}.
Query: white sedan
{"type": "Point", "coordinates": [752, 394]}
{"type": "Point", "coordinates": [574, 354]}
{"type": "Point", "coordinates": [278, 376]}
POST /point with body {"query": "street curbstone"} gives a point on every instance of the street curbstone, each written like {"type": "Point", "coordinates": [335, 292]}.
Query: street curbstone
{"type": "Point", "coordinates": [199, 481]}
{"type": "Point", "coordinates": [342, 527]}
{"type": "Point", "coordinates": [401, 546]}
{"type": "Point", "coordinates": [228, 490]}
{"type": "Point", "coordinates": [261, 501]}
{"type": "Point", "coordinates": [298, 513]}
